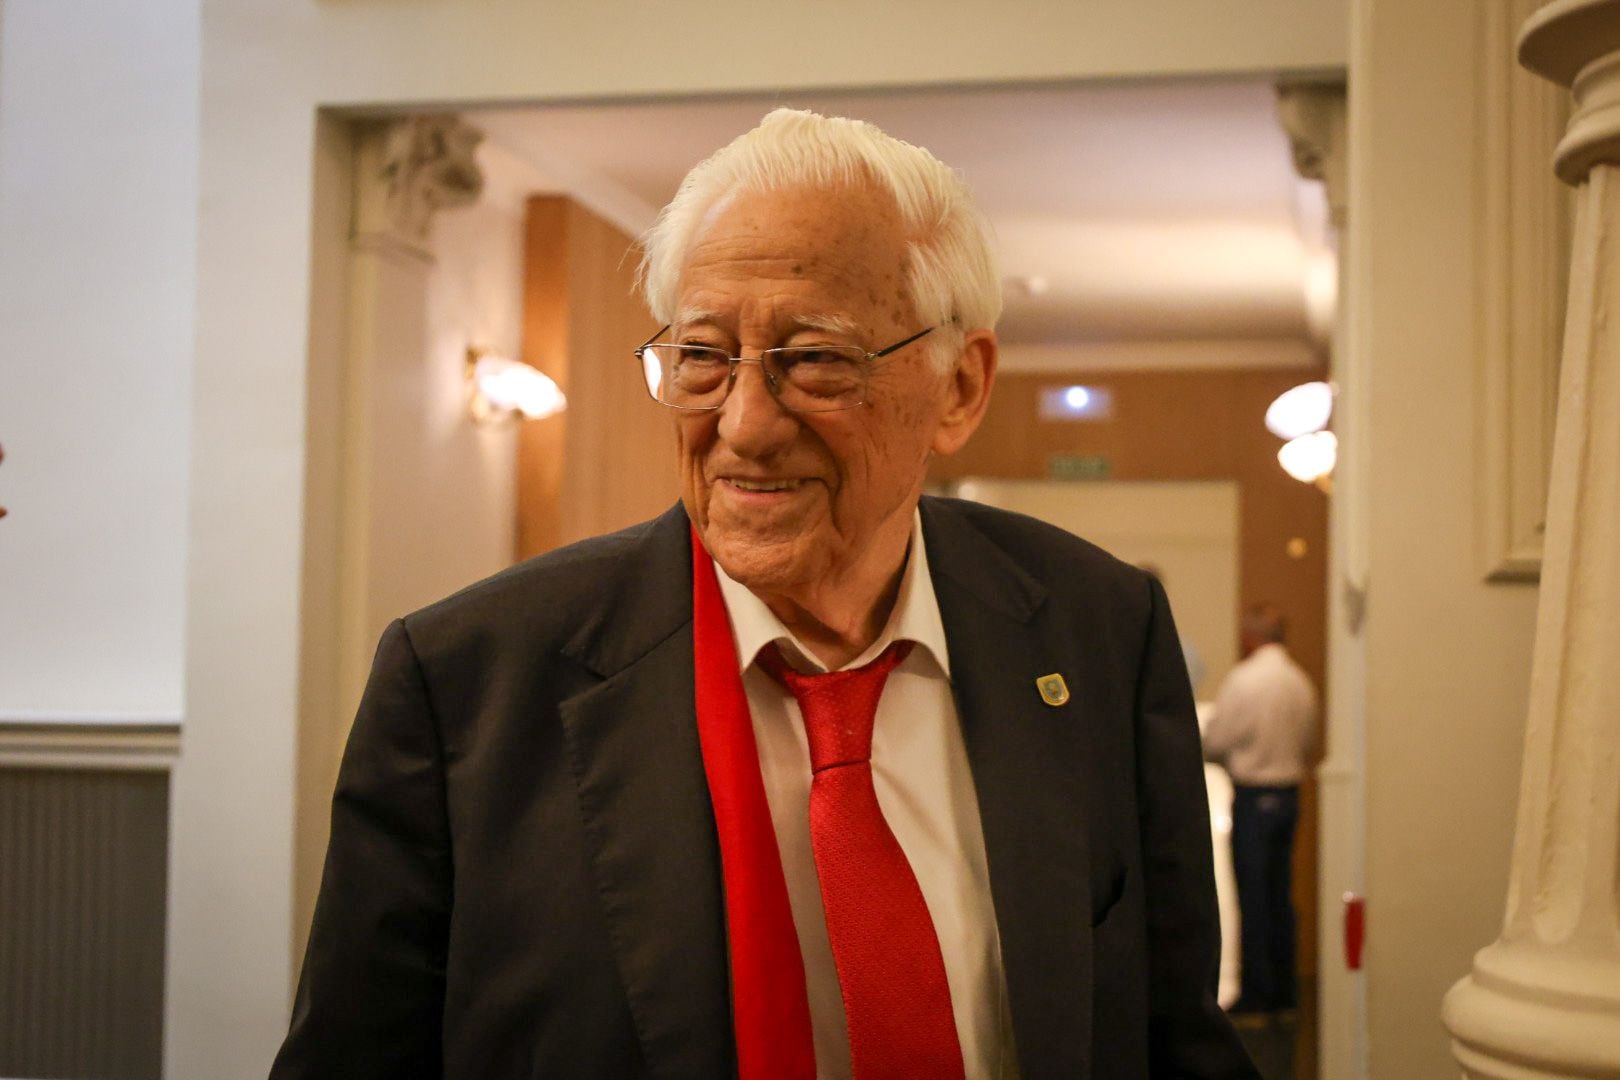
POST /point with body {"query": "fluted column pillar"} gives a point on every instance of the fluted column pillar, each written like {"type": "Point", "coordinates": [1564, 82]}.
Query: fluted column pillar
{"type": "Point", "coordinates": [1544, 999]}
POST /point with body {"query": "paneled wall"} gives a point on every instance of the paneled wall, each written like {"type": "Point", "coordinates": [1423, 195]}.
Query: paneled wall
{"type": "Point", "coordinates": [1193, 425]}
{"type": "Point", "coordinates": [83, 860]}
{"type": "Point", "coordinates": [1448, 653]}
{"type": "Point", "coordinates": [609, 461]}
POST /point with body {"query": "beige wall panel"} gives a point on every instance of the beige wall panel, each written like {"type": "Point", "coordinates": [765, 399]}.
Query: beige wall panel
{"type": "Point", "coordinates": [1448, 656]}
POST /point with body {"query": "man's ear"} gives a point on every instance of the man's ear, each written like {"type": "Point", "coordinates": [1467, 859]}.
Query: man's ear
{"type": "Point", "coordinates": [967, 391]}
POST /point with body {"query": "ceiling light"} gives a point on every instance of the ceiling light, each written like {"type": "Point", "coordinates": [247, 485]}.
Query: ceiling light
{"type": "Point", "coordinates": [499, 388]}
{"type": "Point", "coordinates": [1309, 457]}
{"type": "Point", "coordinates": [1300, 411]}
{"type": "Point", "coordinates": [1076, 403]}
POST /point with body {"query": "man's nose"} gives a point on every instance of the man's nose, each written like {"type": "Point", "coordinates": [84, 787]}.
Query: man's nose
{"type": "Point", "coordinates": [752, 421]}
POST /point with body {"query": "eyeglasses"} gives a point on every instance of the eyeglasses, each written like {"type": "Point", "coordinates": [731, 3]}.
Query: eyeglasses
{"type": "Point", "coordinates": [808, 379]}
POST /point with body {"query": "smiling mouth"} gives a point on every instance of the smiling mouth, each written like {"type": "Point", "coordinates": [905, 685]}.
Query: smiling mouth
{"type": "Point", "coordinates": [763, 485]}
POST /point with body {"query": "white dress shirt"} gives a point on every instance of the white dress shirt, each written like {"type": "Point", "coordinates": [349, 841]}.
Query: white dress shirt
{"type": "Point", "coordinates": [1264, 725]}
{"type": "Point", "coordinates": [925, 790]}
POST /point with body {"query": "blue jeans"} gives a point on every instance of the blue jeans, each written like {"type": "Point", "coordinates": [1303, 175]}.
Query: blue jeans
{"type": "Point", "coordinates": [1263, 820]}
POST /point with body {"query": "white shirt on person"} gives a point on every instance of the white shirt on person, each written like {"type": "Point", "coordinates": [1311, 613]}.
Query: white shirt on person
{"type": "Point", "coordinates": [925, 790]}
{"type": "Point", "coordinates": [1263, 729]}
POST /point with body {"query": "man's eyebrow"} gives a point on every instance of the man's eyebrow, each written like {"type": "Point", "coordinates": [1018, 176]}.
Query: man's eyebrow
{"type": "Point", "coordinates": [832, 324]}
{"type": "Point", "coordinates": [689, 316]}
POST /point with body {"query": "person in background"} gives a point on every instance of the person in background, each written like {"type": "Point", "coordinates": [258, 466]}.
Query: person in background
{"type": "Point", "coordinates": [1264, 732]}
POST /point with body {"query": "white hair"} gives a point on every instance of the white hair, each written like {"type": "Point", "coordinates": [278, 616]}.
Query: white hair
{"type": "Point", "coordinates": [951, 269]}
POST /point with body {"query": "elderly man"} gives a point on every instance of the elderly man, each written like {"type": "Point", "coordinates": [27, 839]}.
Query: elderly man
{"type": "Point", "coordinates": [810, 776]}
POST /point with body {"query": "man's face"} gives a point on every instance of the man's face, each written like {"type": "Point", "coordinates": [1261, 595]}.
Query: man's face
{"type": "Point", "coordinates": [786, 501]}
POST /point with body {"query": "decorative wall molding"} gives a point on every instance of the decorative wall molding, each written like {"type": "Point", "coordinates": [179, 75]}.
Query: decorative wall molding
{"type": "Point", "coordinates": [1313, 116]}
{"type": "Point", "coordinates": [406, 171]}
{"type": "Point", "coordinates": [1524, 237]}
{"type": "Point", "coordinates": [61, 741]}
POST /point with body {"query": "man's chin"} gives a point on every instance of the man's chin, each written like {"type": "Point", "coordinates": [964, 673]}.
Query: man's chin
{"type": "Point", "coordinates": [761, 564]}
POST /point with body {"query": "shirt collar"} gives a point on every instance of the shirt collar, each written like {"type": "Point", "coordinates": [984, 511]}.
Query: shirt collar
{"type": "Point", "coordinates": [915, 616]}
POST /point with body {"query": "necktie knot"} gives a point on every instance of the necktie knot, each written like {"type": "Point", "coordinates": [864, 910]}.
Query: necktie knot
{"type": "Point", "coordinates": [838, 706]}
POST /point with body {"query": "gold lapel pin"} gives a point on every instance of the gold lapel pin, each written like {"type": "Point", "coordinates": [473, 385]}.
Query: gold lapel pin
{"type": "Point", "coordinates": [1054, 691]}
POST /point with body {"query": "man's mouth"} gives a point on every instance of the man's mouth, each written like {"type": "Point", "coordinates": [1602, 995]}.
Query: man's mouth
{"type": "Point", "coordinates": [763, 485]}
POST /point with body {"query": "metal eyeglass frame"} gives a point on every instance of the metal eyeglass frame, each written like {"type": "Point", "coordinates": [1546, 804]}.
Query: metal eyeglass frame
{"type": "Point", "coordinates": [770, 376]}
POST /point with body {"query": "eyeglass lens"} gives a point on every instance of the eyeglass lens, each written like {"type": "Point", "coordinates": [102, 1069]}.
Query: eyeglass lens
{"type": "Point", "coordinates": [813, 379]}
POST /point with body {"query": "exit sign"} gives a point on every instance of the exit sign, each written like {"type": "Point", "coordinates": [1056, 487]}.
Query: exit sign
{"type": "Point", "coordinates": [1078, 467]}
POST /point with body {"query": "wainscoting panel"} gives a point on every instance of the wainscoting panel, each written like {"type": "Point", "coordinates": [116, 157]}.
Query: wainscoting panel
{"type": "Point", "coordinates": [83, 864]}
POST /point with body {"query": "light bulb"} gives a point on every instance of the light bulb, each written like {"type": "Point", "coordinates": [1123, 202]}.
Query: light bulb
{"type": "Point", "coordinates": [509, 386]}
{"type": "Point", "coordinates": [1300, 411]}
{"type": "Point", "coordinates": [1309, 457]}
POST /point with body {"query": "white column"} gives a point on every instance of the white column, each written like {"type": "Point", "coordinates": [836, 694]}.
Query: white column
{"type": "Point", "coordinates": [405, 171]}
{"type": "Point", "coordinates": [1315, 118]}
{"type": "Point", "coordinates": [1544, 999]}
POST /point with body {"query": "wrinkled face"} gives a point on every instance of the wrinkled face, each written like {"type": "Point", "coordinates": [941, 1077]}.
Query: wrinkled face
{"type": "Point", "coordinates": [788, 501]}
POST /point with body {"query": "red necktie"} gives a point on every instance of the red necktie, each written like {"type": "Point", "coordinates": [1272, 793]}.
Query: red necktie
{"type": "Point", "coordinates": [890, 970]}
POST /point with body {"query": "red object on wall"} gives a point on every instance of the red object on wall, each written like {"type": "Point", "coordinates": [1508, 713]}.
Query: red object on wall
{"type": "Point", "coordinates": [1355, 929]}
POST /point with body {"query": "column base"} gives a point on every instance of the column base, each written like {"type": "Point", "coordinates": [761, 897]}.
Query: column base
{"type": "Point", "coordinates": [1530, 1012]}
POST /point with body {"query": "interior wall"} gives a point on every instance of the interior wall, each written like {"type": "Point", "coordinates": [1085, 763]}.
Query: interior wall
{"type": "Point", "coordinates": [609, 461]}
{"type": "Point", "coordinates": [98, 202]}
{"type": "Point", "coordinates": [267, 68]}
{"type": "Point", "coordinates": [445, 501]}
{"type": "Point", "coordinates": [1447, 655]}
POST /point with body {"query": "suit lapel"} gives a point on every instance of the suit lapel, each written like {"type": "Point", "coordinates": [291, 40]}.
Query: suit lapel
{"type": "Point", "coordinates": [1031, 805]}
{"type": "Point", "coordinates": [634, 751]}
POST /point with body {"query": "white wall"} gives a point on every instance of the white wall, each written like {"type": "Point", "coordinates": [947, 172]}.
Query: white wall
{"type": "Point", "coordinates": [98, 199]}
{"type": "Point", "coordinates": [443, 511]}
{"type": "Point", "coordinates": [1447, 655]}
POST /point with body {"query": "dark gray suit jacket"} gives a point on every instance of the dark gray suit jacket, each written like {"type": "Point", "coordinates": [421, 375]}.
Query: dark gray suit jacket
{"type": "Point", "coordinates": [523, 878]}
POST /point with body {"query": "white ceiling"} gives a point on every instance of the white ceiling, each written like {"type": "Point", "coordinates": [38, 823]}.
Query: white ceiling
{"type": "Point", "coordinates": [1164, 216]}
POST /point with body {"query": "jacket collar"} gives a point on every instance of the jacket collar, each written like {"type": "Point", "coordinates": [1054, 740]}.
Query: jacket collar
{"type": "Point", "coordinates": [1022, 752]}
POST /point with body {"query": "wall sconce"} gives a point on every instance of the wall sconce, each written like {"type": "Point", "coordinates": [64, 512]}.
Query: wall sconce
{"type": "Point", "coordinates": [1299, 415]}
{"type": "Point", "coordinates": [1310, 457]}
{"type": "Point", "coordinates": [1300, 411]}
{"type": "Point", "coordinates": [499, 388]}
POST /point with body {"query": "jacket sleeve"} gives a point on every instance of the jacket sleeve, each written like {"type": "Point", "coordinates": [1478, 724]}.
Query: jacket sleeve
{"type": "Point", "coordinates": [370, 997]}
{"type": "Point", "coordinates": [1188, 1034]}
